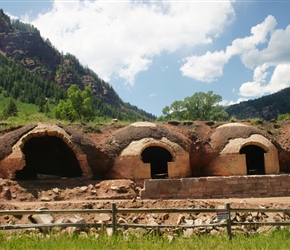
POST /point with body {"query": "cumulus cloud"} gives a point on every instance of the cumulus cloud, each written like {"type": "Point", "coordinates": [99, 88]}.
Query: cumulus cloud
{"type": "Point", "coordinates": [228, 103]}
{"type": "Point", "coordinates": [209, 67]}
{"type": "Point", "coordinates": [277, 51]}
{"type": "Point", "coordinates": [280, 79]}
{"type": "Point", "coordinates": [247, 45]}
{"type": "Point", "coordinates": [206, 68]}
{"type": "Point", "coordinates": [255, 88]}
{"type": "Point", "coordinates": [275, 54]}
{"type": "Point", "coordinates": [121, 38]}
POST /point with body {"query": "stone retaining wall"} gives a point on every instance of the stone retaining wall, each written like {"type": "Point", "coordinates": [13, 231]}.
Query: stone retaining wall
{"type": "Point", "coordinates": [218, 187]}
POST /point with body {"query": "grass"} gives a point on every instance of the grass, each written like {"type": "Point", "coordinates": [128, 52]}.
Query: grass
{"type": "Point", "coordinates": [276, 239]}
{"type": "Point", "coordinates": [28, 114]}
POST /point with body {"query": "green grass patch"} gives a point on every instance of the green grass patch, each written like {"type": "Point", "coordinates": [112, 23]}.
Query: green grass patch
{"type": "Point", "coordinates": [29, 114]}
{"type": "Point", "coordinates": [276, 239]}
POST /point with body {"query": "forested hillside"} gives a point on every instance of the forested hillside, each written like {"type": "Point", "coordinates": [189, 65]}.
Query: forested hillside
{"type": "Point", "coordinates": [34, 71]}
{"type": "Point", "coordinates": [267, 107]}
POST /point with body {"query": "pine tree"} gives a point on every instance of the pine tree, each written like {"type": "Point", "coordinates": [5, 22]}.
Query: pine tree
{"type": "Point", "coordinates": [10, 109]}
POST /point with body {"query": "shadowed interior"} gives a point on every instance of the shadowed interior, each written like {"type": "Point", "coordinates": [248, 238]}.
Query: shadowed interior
{"type": "Point", "coordinates": [158, 158]}
{"type": "Point", "coordinates": [48, 155]}
{"type": "Point", "coordinates": [254, 159]}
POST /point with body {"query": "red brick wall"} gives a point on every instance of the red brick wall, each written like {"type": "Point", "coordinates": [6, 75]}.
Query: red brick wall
{"type": "Point", "coordinates": [218, 187]}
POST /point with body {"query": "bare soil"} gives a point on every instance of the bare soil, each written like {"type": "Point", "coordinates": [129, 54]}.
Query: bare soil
{"type": "Point", "coordinates": [87, 194]}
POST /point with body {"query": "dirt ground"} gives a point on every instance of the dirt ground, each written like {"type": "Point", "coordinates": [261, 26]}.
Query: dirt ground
{"type": "Point", "coordinates": [87, 194]}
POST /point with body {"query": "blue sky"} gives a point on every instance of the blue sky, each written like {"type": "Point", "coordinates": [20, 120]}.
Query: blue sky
{"type": "Point", "coordinates": [156, 52]}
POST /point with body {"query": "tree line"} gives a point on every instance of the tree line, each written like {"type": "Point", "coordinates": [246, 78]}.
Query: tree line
{"type": "Point", "coordinates": [19, 83]}
{"type": "Point", "coordinates": [199, 106]}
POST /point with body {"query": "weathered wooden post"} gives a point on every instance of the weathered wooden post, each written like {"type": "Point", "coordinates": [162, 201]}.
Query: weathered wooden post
{"type": "Point", "coordinates": [229, 222]}
{"type": "Point", "coordinates": [114, 218]}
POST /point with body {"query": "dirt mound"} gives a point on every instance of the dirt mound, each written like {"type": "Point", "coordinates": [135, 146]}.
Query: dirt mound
{"type": "Point", "coordinates": [66, 190]}
{"type": "Point", "coordinates": [70, 194]}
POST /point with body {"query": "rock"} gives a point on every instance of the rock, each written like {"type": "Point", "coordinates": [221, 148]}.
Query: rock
{"type": "Point", "coordinates": [45, 198]}
{"type": "Point", "coordinates": [238, 218]}
{"type": "Point", "coordinates": [152, 222]}
{"type": "Point", "coordinates": [59, 221]}
{"type": "Point", "coordinates": [165, 216]}
{"type": "Point", "coordinates": [188, 232]}
{"type": "Point", "coordinates": [72, 230]}
{"type": "Point", "coordinates": [6, 217]}
{"type": "Point", "coordinates": [181, 219]}
{"type": "Point", "coordinates": [272, 217]}
{"type": "Point", "coordinates": [114, 187]}
{"type": "Point", "coordinates": [208, 221]}
{"type": "Point", "coordinates": [42, 208]}
{"type": "Point", "coordinates": [155, 216]}
{"type": "Point", "coordinates": [264, 229]}
{"type": "Point", "coordinates": [55, 190]}
{"type": "Point", "coordinates": [77, 220]}
{"type": "Point", "coordinates": [214, 232]}
{"type": "Point", "coordinates": [278, 218]}
{"type": "Point", "coordinates": [87, 206]}
{"type": "Point", "coordinates": [42, 218]}
{"type": "Point", "coordinates": [84, 188]}
{"type": "Point", "coordinates": [109, 231]}
{"type": "Point", "coordinates": [244, 216]}
{"type": "Point", "coordinates": [122, 221]}
{"type": "Point", "coordinates": [170, 238]}
{"type": "Point", "coordinates": [103, 217]}
{"type": "Point", "coordinates": [135, 219]}
{"type": "Point", "coordinates": [249, 218]}
{"type": "Point", "coordinates": [83, 235]}
{"type": "Point", "coordinates": [7, 194]}
{"type": "Point", "coordinates": [198, 222]}
{"type": "Point", "coordinates": [189, 222]}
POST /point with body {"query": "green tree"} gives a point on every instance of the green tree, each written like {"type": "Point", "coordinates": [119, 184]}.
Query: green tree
{"type": "Point", "coordinates": [10, 109]}
{"type": "Point", "coordinates": [284, 117]}
{"type": "Point", "coordinates": [200, 106]}
{"type": "Point", "coordinates": [78, 106]}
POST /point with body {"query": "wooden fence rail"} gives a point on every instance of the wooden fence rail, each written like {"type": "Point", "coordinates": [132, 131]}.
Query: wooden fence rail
{"type": "Point", "coordinates": [225, 222]}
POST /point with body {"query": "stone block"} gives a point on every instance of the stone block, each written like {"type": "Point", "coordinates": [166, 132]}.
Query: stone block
{"type": "Point", "coordinates": [151, 185]}
{"type": "Point", "coordinates": [143, 172]}
{"type": "Point", "coordinates": [169, 186]}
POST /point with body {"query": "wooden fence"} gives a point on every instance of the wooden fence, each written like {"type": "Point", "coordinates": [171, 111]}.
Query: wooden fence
{"type": "Point", "coordinates": [224, 216]}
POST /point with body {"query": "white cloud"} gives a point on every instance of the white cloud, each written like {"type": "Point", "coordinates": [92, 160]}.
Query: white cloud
{"type": "Point", "coordinates": [245, 46]}
{"type": "Point", "coordinates": [122, 37]}
{"type": "Point", "coordinates": [209, 67]}
{"type": "Point", "coordinates": [275, 53]}
{"type": "Point", "coordinates": [280, 79]}
{"type": "Point", "coordinates": [256, 87]}
{"type": "Point", "coordinates": [228, 103]}
{"type": "Point", "coordinates": [11, 16]}
{"type": "Point", "coordinates": [206, 68]}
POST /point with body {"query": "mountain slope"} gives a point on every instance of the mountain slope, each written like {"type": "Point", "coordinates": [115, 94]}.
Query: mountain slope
{"type": "Point", "coordinates": [266, 107]}
{"type": "Point", "coordinates": [22, 46]}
